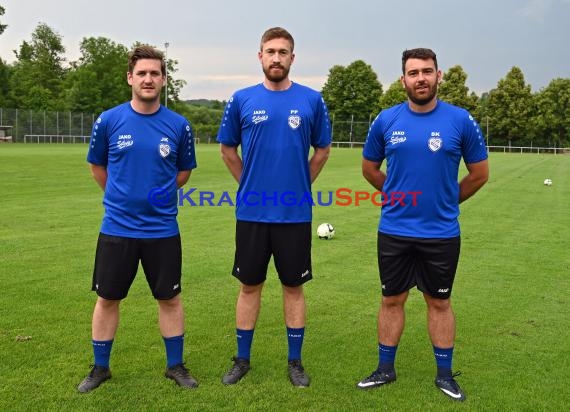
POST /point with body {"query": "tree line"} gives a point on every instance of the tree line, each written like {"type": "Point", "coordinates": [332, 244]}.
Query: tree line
{"type": "Point", "coordinates": [40, 78]}
{"type": "Point", "coordinates": [509, 114]}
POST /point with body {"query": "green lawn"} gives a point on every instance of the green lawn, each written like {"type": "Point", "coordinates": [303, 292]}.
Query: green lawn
{"type": "Point", "coordinates": [510, 298]}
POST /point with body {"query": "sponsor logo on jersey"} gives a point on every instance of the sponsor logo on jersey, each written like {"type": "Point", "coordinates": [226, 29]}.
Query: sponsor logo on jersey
{"type": "Point", "coordinates": [164, 149]}
{"type": "Point", "coordinates": [124, 141]}
{"type": "Point", "coordinates": [259, 116]}
{"type": "Point", "coordinates": [398, 136]}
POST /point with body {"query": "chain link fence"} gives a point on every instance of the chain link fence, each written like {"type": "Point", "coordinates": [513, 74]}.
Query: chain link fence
{"type": "Point", "coordinates": [38, 126]}
{"type": "Point", "coordinates": [350, 131]}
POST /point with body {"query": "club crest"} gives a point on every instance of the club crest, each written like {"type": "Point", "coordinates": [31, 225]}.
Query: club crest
{"type": "Point", "coordinates": [294, 121]}
{"type": "Point", "coordinates": [434, 144]}
{"type": "Point", "coordinates": [164, 149]}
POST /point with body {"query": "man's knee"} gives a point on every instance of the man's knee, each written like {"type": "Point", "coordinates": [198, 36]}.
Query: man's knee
{"type": "Point", "coordinates": [107, 303]}
{"type": "Point", "coordinates": [173, 302]}
{"type": "Point", "coordinates": [250, 289]}
{"type": "Point", "coordinates": [438, 305]}
{"type": "Point", "coordinates": [394, 302]}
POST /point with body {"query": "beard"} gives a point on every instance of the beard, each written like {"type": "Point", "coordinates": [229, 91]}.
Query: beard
{"type": "Point", "coordinates": [276, 78]}
{"type": "Point", "coordinates": [147, 98]}
{"type": "Point", "coordinates": [421, 101]}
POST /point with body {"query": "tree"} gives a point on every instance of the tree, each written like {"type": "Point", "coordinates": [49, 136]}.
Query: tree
{"type": "Point", "coordinates": [98, 80]}
{"type": "Point", "coordinates": [174, 85]}
{"type": "Point", "coordinates": [2, 26]}
{"type": "Point", "coordinates": [395, 94]}
{"type": "Point", "coordinates": [4, 81]}
{"type": "Point", "coordinates": [205, 120]}
{"type": "Point", "coordinates": [553, 113]}
{"type": "Point", "coordinates": [37, 75]}
{"type": "Point", "coordinates": [454, 90]}
{"type": "Point", "coordinates": [510, 106]}
{"type": "Point", "coordinates": [352, 91]}
{"type": "Point", "coordinates": [4, 70]}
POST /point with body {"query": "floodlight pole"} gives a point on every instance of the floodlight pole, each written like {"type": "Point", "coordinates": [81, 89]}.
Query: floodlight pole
{"type": "Point", "coordinates": [166, 74]}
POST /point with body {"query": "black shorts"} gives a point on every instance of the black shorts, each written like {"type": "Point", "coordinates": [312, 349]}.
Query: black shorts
{"type": "Point", "coordinates": [117, 260]}
{"type": "Point", "coordinates": [289, 243]}
{"type": "Point", "coordinates": [429, 264]}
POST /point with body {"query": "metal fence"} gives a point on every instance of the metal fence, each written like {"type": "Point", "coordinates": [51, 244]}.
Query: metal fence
{"type": "Point", "coordinates": [39, 126]}
{"type": "Point", "coordinates": [350, 130]}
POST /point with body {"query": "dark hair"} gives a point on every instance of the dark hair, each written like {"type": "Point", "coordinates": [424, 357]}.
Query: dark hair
{"type": "Point", "coordinates": [146, 52]}
{"type": "Point", "coordinates": [276, 33]}
{"type": "Point", "coordinates": [419, 53]}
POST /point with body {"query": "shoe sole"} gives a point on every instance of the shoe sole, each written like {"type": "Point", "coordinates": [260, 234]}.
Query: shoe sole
{"type": "Point", "coordinates": [93, 388]}
{"type": "Point", "coordinates": [194, 386]}
{"type": "Point", "coordinates": [366, 388]}
{"type": "Point", "coordinates": [235, 382]}
{"type": "Point", "coordinates": [451, 395]}
{"type": "Point", "coordinates": [239, 379]}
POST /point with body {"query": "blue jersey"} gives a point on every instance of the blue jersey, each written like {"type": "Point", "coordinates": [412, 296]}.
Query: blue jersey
{"type": "Point", "coordinates": [423, 152]}
{"type": "Point", "coordinates": [276, 130]}
{"type": "Point", "coordinates": [143, 155]}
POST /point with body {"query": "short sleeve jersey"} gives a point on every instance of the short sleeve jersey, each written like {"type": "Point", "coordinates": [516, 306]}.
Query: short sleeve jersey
{"type": "Point", "coordinates": [276, 130]}
{"type": "Point", "coordinates": [423, 152]}
{"type": "Point", "coordinates": [143, 155]}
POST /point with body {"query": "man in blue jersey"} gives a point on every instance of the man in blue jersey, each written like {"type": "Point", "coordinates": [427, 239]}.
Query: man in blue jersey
{"type": "Point", "coordinates": [276, 122]}
{"type": "Point", "coordinates": [422, 141]}
{"type": "Point", "coordinates": [140, 154]}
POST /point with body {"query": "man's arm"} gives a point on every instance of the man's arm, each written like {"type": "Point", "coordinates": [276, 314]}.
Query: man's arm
{"type": "Point", "coordinates": [232, 160]}
{"type": "Point", "coordinates": [372, 173]}
{"type": "Point", "coordinates": [99, 173]}
{"type": "Point", "coordinates": [477, 176]}
{"type": "Point", "coordinates": [318, 160]}
{"type": "Point", "coordinates": [182, 177]}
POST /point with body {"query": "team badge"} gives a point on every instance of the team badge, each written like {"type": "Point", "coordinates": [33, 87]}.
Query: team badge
{"type": "Point", "coordinates": [164, 149]}
{"type": "Point", "coordinates": [434, 144]}
{"type": "Point", "coordinates": [294, 121]}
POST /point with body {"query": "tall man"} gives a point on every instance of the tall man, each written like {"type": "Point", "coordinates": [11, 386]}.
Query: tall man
{"type": "Point", "coordinates": [140, 153]}
{"type": "Point", "coordinates": [423, 141]}
{"type": "Point", "coordinates": [276, 122]}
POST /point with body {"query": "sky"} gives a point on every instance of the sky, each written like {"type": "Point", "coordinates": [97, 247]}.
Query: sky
{"type": "Point", "coordinates": [216, 42]}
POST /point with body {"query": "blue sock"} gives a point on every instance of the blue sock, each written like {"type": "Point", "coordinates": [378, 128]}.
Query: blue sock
{"type": "Point", "coordinates": [102, 352]}
{"type": "Point", "coordinates": [174, 350]}
{"type": "Point", "coordinates": [386, 357]}
{"type": "Point", "coordinates": [295, 339]}
{"type": "Point", "coordinates": [244, 340]}
{"type": "Point", "coordinates": [443, 360]}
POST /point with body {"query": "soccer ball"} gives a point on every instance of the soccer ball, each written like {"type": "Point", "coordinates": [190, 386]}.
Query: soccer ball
{"type": "Point", "coordinates": [547, 182]}
{"type": "Point", "coordinates": [325, 231]}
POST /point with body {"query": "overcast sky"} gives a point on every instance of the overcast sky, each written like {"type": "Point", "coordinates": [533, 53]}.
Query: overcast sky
{"type": "Point", "coordinates": [216, 41]}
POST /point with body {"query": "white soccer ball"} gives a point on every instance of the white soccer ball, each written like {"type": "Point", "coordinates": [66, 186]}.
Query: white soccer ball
{"type": "Point", "coordinates": [325, 231]}
{"type": "Point", "coordinates": [548, 182]}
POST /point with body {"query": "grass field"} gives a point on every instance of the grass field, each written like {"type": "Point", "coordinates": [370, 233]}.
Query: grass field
{"type": "Point", "coordinates": [511, 298]}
